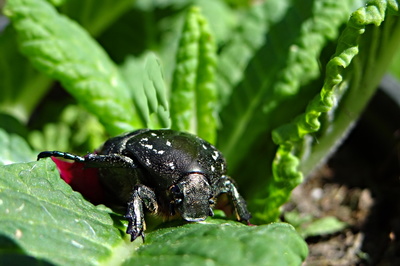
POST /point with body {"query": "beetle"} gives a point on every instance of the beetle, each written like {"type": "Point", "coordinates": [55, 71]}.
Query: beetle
{"type": "Point", "coordinates": [164, 171]}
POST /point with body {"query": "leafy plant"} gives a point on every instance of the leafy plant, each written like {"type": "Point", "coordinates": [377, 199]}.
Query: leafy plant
{"type": "Point", "coordinates": [230, 72]}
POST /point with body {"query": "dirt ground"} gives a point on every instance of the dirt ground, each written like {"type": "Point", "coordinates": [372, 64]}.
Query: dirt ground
{"type": "Point", "coordinates": [360, 185]}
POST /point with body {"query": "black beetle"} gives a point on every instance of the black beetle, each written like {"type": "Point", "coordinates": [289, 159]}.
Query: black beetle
{"type": "Point", "coordinates": [165, 171]}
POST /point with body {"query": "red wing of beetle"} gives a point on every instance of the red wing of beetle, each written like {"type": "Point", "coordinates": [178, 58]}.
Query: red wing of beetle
{"type": "Point", "coordinates": [81, 179]}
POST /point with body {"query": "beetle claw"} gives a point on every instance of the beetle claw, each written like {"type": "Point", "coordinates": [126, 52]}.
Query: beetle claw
{"type": "Point", "coordinates": [135, 232]}
{"type": "Point", "coordinates": [134, 229]}
{"type": "Point", "coordinates": [141, 195]}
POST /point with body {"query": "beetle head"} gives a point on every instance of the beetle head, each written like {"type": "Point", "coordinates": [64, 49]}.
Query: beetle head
{"type": "Point", "coordinates": [192, 197]}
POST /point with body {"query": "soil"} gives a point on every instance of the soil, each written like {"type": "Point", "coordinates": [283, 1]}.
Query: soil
{"type": "Point", "coordinates": [359, 185]}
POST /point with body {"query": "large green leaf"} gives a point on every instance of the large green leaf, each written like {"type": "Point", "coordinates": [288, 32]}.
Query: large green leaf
{"type": "Point", "coordinates": [48, 220]}
{"type": "Point", "coordinates": [222, 243]}
{"type": "Point", "coordinates": [78, 63]}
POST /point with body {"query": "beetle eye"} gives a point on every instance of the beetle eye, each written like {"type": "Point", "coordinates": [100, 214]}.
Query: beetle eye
{"type": "Point", "coordinates": [211, 201]}
{"type": "Point", "coordinates": [175, 190]}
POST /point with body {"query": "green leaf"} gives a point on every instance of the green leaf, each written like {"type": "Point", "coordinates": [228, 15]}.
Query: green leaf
{"type": "Point", "coordinates": [225, 243]}
{"type": "Point", "coordinates": [51, 137]}
{"type": "Point", "coordinates": [307, 225]}
{"type": "Point", "coordinates": [12, 254]}
{"type": "Point", "coordinates": [78, 63]}
{"type": "Point", "coordinates": [342, 85]}
{"type": "Point", "coordinates": [193, 94]}
{"type": "Point", "coordinates": [323, 226]}
{"type": "Point", "coordinates": [145, 78]}
{"type": "Point", "coordinates": [76, 130]}
{"type": "Point", "coordinates": [395, 67]}
{"type": "Point", "coordinates": [284, 63]}
{"type": "Point", "coordinates": [156, 92]}
{"type": "Point", "coordinates": [94, 15]}
{"type": "Point", "coordinates": [36, 204]}
{"type": "Point", "coordinates": [87, 132]}
{"type": "Point", "coordinates": [222, 16]}
{"type": "Point", "coordinates": [21, 86]}
{"type": "Point", "coordinates": [14, 149]}
{"type": "Point", "coordinates": [244, 42]}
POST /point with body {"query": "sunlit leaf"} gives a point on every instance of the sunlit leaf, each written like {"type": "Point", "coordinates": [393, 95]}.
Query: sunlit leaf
{"type": "Point", "coordinates": [78, 63]}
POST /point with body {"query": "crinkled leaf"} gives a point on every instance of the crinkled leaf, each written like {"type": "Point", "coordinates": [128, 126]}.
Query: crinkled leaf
{"type": "Point", "coordinates": [343, 93]}
{"type": "Point", "coordinates": [193, 94]}
{"type": "Point", "coordinates": [78, 63]}
{"type": "Point", "coordinates": [14, 149]}
{"type": "Point", "coordinates": [36, 204]}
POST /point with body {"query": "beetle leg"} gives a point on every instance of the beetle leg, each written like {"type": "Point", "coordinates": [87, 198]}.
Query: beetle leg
{"type": "Point", "coordinates": [93, 160]}
{"type": "Point", "coordinates": [65, 155]}
{"type": "Point", "coordinates": [225, 185]}
{"type": "Point", "coordinates": [135, 215]}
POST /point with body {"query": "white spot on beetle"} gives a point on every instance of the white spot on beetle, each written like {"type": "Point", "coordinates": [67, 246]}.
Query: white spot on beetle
{"type": "Point", "coordinates": [158, 151]}
{"type": "Point", "coordinates": [144, 139]}
{"type": "Point", "coordinates": [212, 168]}
{"type": "Point", "coordinates": [148, 146]}
{"type": "Point", "coordinates": [148, 161]}
{"type": "Point", "coordinates": [153, 134]}
{"type": "Point", "coordinates": [215, 155]}
{"type": "Point", "coordinates": [169, 143]}
{"type": "Point", "coordinates": [204, 147]}
{"type": "Point", "coordinates": [171, 165]}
